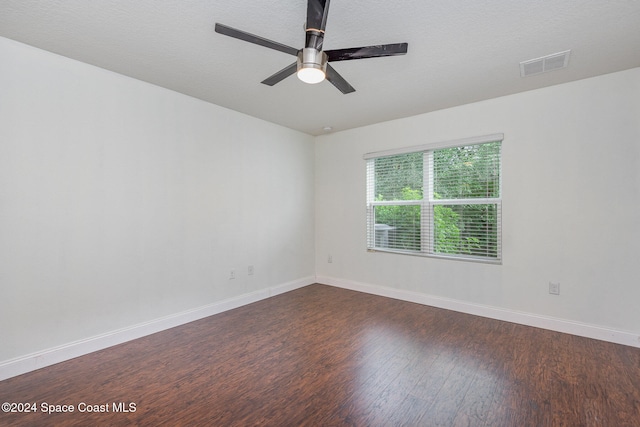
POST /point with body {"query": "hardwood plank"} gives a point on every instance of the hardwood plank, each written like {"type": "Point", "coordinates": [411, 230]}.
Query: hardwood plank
{"type": "Point", "coordinates": [332, 357]}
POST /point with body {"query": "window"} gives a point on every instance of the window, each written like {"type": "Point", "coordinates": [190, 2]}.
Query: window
{"type": "Point", "coordinates": [442, 200]}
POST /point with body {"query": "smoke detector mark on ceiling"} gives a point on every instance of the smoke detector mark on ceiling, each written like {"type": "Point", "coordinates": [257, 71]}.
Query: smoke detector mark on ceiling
{"type": "Point", "coordinates": [544, 64]}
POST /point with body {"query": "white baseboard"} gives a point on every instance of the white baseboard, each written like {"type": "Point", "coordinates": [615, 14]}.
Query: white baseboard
{"type": "Point", "coordinates": [523, 318]}
{"type": "Point", "coordinates": [31, 362]}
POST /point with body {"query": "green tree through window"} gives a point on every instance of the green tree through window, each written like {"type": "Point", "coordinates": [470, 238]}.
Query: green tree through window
{"type": "Point", "coordinates": [439, 202]}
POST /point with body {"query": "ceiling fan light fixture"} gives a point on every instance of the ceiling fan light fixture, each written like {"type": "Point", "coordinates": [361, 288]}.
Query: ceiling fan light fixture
{"type": "Point", "coordinates": [311, 75]}
{"type": "Point", "coordinates": [312, 65]}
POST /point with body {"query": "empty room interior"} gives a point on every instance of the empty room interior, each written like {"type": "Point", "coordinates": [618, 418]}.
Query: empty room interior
{"type": "Point", "coordinates": [443, 231]}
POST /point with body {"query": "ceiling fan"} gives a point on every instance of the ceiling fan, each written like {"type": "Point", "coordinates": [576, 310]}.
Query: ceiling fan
{"type": "Point", "coordinates": [312, 63]}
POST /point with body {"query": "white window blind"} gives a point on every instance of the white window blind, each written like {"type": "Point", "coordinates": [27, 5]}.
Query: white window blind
{"type": "Point", "coordinates": [443, 202]}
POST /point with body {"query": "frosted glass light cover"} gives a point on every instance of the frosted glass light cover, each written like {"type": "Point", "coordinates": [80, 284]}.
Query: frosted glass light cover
{"type": "Point", "coordinates": [311, 75]}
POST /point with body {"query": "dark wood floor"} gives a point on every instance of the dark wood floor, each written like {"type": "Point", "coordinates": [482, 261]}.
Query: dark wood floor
{"type": "Point", "coordinates": [323, 356]}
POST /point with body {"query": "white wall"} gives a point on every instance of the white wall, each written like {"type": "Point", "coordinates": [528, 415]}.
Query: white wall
{"type": "Point", "coordinates": [122, 202]}
{"type": "Point", "coordinates": [571, 204]}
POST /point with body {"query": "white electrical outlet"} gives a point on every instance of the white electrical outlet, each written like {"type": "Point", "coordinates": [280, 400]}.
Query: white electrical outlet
{"type": "Point", "coordinates": [330, 259]}
{"type": "Point", "coordinates": [232, 275]}
{"type": "Point", "coordinates": [250, 270]}
{"type": "Point", "coordinates": [554, 288]}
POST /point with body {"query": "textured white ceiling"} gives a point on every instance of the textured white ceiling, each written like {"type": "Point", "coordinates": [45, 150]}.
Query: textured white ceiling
{"type": "Point", "coordinates": [460, 51]}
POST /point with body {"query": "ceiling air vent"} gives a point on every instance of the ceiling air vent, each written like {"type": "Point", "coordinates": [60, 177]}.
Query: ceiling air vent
{"type": "Point", "coordinates": [546, 63]}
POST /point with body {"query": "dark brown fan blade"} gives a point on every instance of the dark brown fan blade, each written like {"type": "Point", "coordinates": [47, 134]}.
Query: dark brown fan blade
{"type": "Point", "coordinates": [367, 52]}
{"type": "Point", "coordinates": [281, 75]}
{"type": "Point", "coordinates": [251, 38]}
{"type": "Point", "coordinates": [337, 80]}
{"type": "Point", "coordinates": [317, 11]}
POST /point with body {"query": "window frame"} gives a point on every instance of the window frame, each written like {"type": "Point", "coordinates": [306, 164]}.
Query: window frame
{"type": "Point", "coordinates": [427, 203]}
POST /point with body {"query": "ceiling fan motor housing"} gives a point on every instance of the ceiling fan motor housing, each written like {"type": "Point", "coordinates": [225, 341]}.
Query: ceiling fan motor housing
{"type": "Point", "coordinates": [312, 59]}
